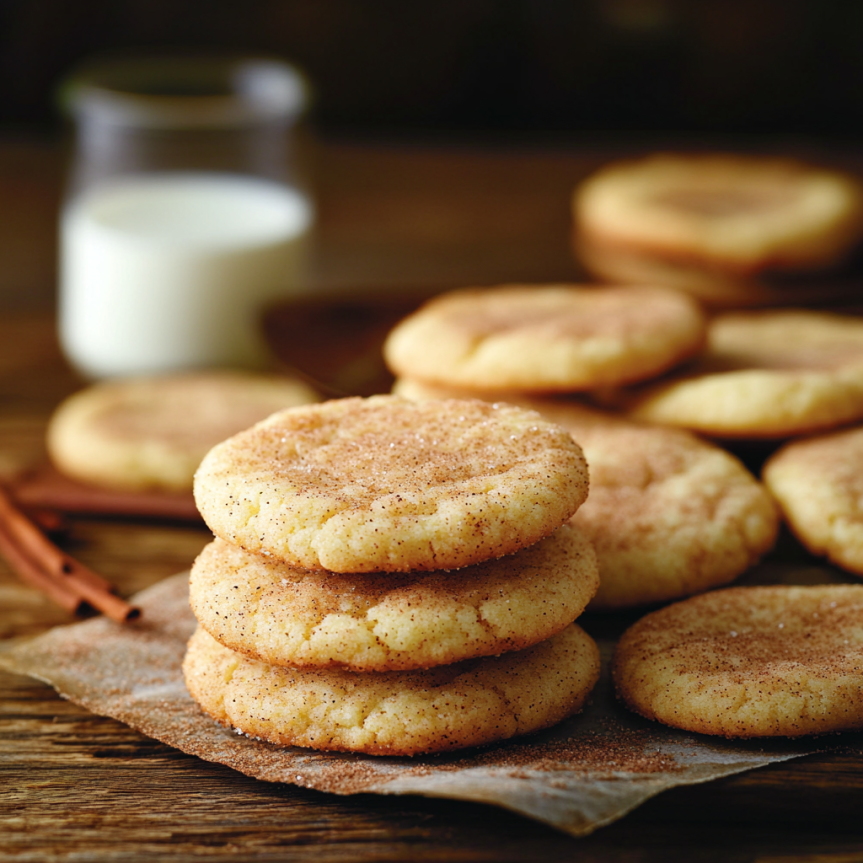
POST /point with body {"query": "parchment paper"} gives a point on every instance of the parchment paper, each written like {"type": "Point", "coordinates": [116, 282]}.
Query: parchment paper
{"type": "Point", "coordinates": [584, 773]}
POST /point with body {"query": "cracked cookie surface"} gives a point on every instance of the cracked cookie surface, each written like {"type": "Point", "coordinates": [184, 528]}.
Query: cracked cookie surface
{"type": "Point", "coordinates": [285, 615]}
{"type": "Point", "coordinates": [546, 338]}
{"type": "Point", "coordinates": [449, 707]}
{"type": "Point", "coordinates": [749, 662]}
{"type": "Point", "coordinates": [388, 485]}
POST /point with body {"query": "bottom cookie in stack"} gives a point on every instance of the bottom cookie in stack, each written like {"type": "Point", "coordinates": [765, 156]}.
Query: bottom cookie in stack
{"type": "Point", "coordinates": [393, 664]}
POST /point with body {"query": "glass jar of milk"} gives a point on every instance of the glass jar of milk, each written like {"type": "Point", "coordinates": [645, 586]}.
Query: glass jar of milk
{"type": "Point", "coordinates": [186, 215]}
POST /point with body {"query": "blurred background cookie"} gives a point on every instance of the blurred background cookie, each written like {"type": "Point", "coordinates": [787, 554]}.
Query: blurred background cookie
{"type": "Point", "coordinates": [545, 338]}
{"type": "Point", "coordinates": [669, 514]}
{"type": "Point", "coordinates": [151, 432]}
{"type": "Point", "coordinates": [733, 230]}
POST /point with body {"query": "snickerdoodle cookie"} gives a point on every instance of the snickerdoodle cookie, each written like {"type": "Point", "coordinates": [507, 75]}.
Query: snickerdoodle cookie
{"type": "Point", "coordinates": [550, 338]}
{"type": "Point", "coordinates": [152, 432]}
{"type": "Point", "coordinates": [749, 662]}
{"type": "Point", "coordinates": [469, 703]}
{"type": "Point", "coordinates": [388, 485]}
{"type": "Point", "coordinates": [669, 514]}
{"type": "Point", "coordinates": [818, 483]}
{"type": "Point", "coordinates": [717, 225]}
{"type": "Point", "coordinates": [285, 615]}
{"type": "Point", "coordinates": [764, 374]}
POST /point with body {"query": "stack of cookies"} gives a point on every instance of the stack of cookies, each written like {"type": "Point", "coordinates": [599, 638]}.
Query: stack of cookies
{"type": "Point", "coordinates": [392, 577]}
{"type": "Point", "coordinates": [734, 230]}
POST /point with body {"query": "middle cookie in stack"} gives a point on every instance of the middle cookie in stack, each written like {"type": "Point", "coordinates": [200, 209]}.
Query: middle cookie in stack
{"type": "Point", "coordinates": [393, 578]}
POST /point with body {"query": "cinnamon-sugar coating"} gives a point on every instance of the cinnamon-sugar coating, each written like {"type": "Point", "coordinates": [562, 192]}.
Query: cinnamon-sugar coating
{"type": "Point", "coordinates": [387, 485]}
{"type": "Point", "coordinates": [449, 707]}
{"type": "Point", "coordinates": [749, 662]}
{"type": "Point", "coordinates": [285, 615]}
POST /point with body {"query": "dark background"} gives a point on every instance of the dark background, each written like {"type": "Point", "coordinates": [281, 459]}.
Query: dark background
{"type": "Point", "coordinates": [487, 67]}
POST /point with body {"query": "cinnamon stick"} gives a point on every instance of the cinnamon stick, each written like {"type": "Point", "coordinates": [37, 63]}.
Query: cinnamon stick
{"type": "Point", "coordinates": [47, 487]}
{"type": "Point", "coordinates": [44, 565]}
{"type": "Point", "coordinates": [31, 573]}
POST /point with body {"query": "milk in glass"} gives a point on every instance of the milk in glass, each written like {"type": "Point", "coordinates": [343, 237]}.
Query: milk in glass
{"type": "Point", "coordinates": [185, 213]}
{"type": "Point", "coordinates": [170, 271]}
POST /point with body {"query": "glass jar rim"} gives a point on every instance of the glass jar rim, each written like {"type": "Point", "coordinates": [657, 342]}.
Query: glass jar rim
{"type": "Point", "coordinates": [185, 91]}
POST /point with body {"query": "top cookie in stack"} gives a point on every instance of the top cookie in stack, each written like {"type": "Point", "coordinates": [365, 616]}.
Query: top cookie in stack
{"type": "Point", "coordinates": [393, 577]}
{"type": "Point", "coordinates": [388, 485]}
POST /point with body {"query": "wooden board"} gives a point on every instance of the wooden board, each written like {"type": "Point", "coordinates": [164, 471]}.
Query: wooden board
{"type": "Point", "coordinates": [78, 786]}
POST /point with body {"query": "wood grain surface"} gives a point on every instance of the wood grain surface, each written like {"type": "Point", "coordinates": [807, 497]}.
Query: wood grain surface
{"type": "Point", "coordinates": [74, 786]}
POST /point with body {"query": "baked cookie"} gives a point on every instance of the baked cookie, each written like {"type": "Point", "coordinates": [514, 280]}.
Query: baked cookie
{"type": "Point", "coordinates": [468, 703]}
{"type": "Point", "coordinates": [285, 615]}
{"type": "Point", "coordinates": [388, 485]}
{"type": "Point", "coordinates": [716, 224]}
{"type": "Point", "coordinates": [146, 433]}
{"type": "Point", "coordinates": [764, 375]}
{"type": "Point", "coordinates": [553, 338]}
{"type": "Point", "coordinates": [749, 662]}
{"type": "Point", "coordinates": [668, 513]}
{"type": "Point", "coordinates": [818, 483]}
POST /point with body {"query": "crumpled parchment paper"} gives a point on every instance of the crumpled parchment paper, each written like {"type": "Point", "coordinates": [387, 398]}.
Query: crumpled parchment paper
{"type": "Point", "coordinates": [584, 773]}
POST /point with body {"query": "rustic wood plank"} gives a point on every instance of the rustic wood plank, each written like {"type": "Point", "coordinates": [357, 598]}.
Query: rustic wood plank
{"type": "Point", "coordinates": [74, 786]}
{"type": "Point", "coordinates": [77, 781]}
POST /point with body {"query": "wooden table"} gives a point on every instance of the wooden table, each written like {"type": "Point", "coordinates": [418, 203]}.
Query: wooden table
{"type": "Point", "coordinates": [78, 786]}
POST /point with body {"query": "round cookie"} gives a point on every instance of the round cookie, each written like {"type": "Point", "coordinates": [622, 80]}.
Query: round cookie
{"type": "Point", "coordinates": [715, 218]}
{"type": "Point", "coordinates": [818, 483]}
{"type": "Point", "coordinates": [152, 432]}
{"type": "Point", "coordinates": [749, 662]}
{"type": "Point", "coordinates": [469, 703]}
{"type": "Point", "coordinates": [553, 338]}
{"type": "Point", "coordinates": [668, 514]}
{"type": "Point", "coordinates": [388, 485]}
{"type": "Point", "coordinates": [763, 375]}
{"type": "Point", "coordinates": [285, 615]}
